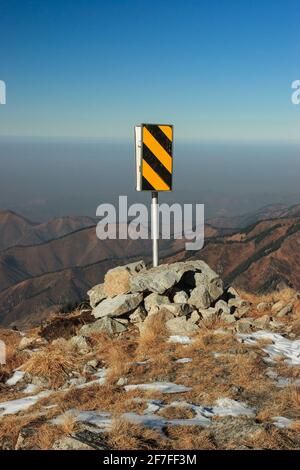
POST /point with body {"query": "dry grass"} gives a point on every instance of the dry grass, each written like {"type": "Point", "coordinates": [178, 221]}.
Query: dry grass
{"type": "Point", "coordinates": [282, 402]}
{"type": "Point", "coordinates": [237, 371]}
{"type": "Point", "coordinates": [190, 438]}
{"type": "Point", "coordinates": [68, 422]}
{"type": "Point", "coordinates": [50, 364]}
{"type": "Point", "coordinates": [152, 336]}
{"type": "Point", "coordinates": [128, 436]}
{"type": "Point", "coordinates": [177, 412]}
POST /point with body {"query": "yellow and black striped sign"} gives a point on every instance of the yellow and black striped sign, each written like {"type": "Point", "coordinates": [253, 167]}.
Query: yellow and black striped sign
{"type": "Point", "coordinates": [157, 157]}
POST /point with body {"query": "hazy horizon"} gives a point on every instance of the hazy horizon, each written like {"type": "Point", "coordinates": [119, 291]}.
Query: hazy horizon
{"type": "Point", "coordinates": [44, 179]}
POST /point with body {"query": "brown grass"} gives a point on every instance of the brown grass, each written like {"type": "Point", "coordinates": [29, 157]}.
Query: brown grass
{"type": "Point", "coordinates": [128, 436]}
{"type": "Point", "coordinates": [50, 364]}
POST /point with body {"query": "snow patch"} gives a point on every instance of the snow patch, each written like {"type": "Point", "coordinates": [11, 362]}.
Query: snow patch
{"type": "Point", "coordinates": [184, 360]}
{"type": "Point", "coordinates": [16, 377]}
{"type": "Point", "coordinates": [180, 339]}
{"type": "Point", "coordinates": [282, 422]}
{"type": "Point", "coordinates": [21, 404]}
{"type": "Point", "coordinates": [287, 348]}
{"type": "Point", "coordinates": [163, 387]}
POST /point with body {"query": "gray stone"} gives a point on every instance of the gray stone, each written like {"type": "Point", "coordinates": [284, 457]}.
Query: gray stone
{"type": "Point", "coordinates": [124, 321]}
{"type": "Point", "coordinates": [233, 292]}
{"type": "Point", "coordinates": [211, 281]}
{"type": "Point", "coordinates": [79, 344]}
{"type": "Point", "coordinates": [209, 314]}
{"type": "Point", "coordinates": [117, 306]}
{"type": "Point", "coordinates": [238, 303]}
{"type": "Point", "coordinates": [242, 311]}
{"type": "Point", "coordinates": [96, 295]}
{"type": "Point", "coordinates": [26, 342]}
{"type": "Point", "coordinates": [263, 306]}
{"type": "Point", "coordinates": [107, 325]}
{"type": "Point", "coordinates": [154, 300]}
{"type": "Point", "coordinates": [90, 367]}
{"type": "Point", "coordinates": [200, 297]}
{"type": "Point", "coordinates": [195, 317]}
{"type": "Point", "coordinates": [138, 315]}
{"type": "Point", "coordinates": [181, 326]}
{"type": "Point", "coordinates": [262, 322]}
{"type": "Point", "coordinates": [278, 306]}
{"type": "Point", "coordinates": [285, 311]}
{"type": "Point", "coordinates": [177, 310]}
{"type": "Point", "coordinates": [181, 297]}
{"type": "Point", "coordinates": [222, 307]}
{"type": "Point", "coordinates": [116, 280]}
{"type": "Point", "coordinates": [244, 325]}
{"type": "Point", "coordinates": [163, 277]}
{"type": "Point", "coordinates": [227, 318]}
{"type": "Point", "coordinates": [122, 381]}
{"type": "Point", "coordinates": [69, 443]}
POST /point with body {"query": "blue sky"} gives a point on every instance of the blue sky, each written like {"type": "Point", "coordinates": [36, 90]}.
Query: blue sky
{"type": "Point", "coordinates": [217, 69]}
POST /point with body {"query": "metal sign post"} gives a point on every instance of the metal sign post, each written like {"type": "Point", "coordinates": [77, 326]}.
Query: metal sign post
{"type": "Point", "coordinates": [154, 169]}
{"type": "Point", "coordinates": [154, 227]}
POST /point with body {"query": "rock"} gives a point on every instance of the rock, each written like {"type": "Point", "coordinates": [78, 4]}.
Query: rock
{"type": "Point", "coordinates": [96, 295]}
{"type": "Point", "coordinates": [233, 293]}
{"type": "Point", "coordinates": [69, 443]}
{"type": "Point", "coordinates": [162, 278]}
{"type": "Point", "coordinates": [26, 342]}
{"type": "Point", "coordinates": [181, 326]}
{"type": "Point", "coordinates": [275, 324]}
{"type": "Point", "coordinates": [117, 306]}
{"type": "Point", "coordinates": [227, 318]}
{"type": "Point", "coordinates": [116, 280]}
{"type": "Point", "coordinates": [222, 307]}
{"type": "Point", "coordinates": [209, 314]}
{"type": "Point", "coordinates": [124, 321]}
{"type": "Point", "coordinates": [90, 367]}
{"type": "Point", "coordinates": [177, 310]}
{"type": "Point", "coordinates": [262, 322]}
{"type": "Point", "coordinates": [242, 311]}
{"type": "Point", "coordinates": [107, 325]}
{"type": "Point", "coordinates": [200, 297]}
{"type": "Point", "coordinates": [122, 381]}
{"type": "Point", "coordinates": [263, 306]}
{"type": "Point", "coordinates": [285, 311]}
{"type": "Point", "coordinates": [195, 317]}
{"type": "Point", "coordinates": [212, 282]}
{"type": "Point", "coordinates": [138, 315]}
{"type": "Point", "coordinates": [244, 325]}
{"type": "Point", "coordinates": [154, 300]}
{"type": "Point", "coordinates": [181, 297]}
{"type": "Point", "coordinates": [24, 438]}
{"type": "Point", "coordinates": [278, 306]}
{"type": "Point", "coordinates": [238, 303]}
{"type": "Point", "coordinates": [79, 343]}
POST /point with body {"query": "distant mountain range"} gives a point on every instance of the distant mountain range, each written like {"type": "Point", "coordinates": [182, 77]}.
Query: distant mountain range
{"type": "Point", "coordinates": [46, 266]}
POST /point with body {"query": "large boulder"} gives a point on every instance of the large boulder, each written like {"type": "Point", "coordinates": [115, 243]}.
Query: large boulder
{"type": "Point", "coordinates": [116, 280]}
{"type": "Point", "coordinates": [162, 278]}
{"type": "Point", "coordinates": [106, 325]}
{"type": "Point", "coordinates": [117, 306]}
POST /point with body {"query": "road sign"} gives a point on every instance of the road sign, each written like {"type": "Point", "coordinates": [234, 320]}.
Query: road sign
{"type": "Point", "coordinates": [154, 168]}
{"type": "Point", "coordinates": [154, 157]}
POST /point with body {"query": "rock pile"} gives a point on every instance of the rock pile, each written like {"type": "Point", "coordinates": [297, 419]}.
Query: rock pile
{"type": "Point", "coordinates": [185, 294]}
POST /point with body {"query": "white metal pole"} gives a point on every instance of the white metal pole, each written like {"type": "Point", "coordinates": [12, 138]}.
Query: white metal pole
{"type": "Point", "coordinates": [154, 227]}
